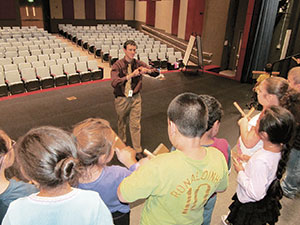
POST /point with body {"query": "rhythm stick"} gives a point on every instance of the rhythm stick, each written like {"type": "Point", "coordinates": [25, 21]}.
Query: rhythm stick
{"type": "Point", "coordinates": [239, 109]}
{"type": "Point", "coordinates": [148, 153]}
{"type": "Point", "coordinates": [242, 111]}
{"type": "Point", "coordinates": [295, 59]}
{"type": "Point", "coordinates": [250, 112]}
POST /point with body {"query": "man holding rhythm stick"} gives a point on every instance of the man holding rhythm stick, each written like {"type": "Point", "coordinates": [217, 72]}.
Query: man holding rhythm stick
{"type": "Point", "coordinates": [126, 75]}
{"type": "Point", "coordinates": [178, 184]}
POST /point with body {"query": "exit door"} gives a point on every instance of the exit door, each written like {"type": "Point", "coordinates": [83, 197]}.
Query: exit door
{"type": "Point", "coordinates": [32, 16]}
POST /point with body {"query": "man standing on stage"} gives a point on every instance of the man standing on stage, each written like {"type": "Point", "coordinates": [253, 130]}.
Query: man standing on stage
{"type": "Point", "coordinates": [126, 75]}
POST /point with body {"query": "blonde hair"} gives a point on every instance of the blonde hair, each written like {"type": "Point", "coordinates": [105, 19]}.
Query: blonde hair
{"type": "Point", "coordinates": [93, 137]}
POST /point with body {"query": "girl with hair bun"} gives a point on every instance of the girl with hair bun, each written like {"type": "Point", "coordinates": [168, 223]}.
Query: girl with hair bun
{"type": "Point", "coordinates": [47, 156]}
{"type": "Point", "coordinates": [258, 192]}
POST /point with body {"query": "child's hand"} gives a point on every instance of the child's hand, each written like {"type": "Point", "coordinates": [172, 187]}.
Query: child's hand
{"type": "Point", "coordinates": [243, 122]}
{"type": "Point", "coordinates": [126, 156]}
{"type": "Point", "coordinates": [237, 165]}
{"type": "Point", "coordinates": [144, 161]}
{"type": "Point", "coordinates": [245, 158]}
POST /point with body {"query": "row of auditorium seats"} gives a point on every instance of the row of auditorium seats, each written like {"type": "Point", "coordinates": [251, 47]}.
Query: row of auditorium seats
{"type": "Point", "coordinates": [36, 75]}
{"type": "Point", "coordinates": [106, 41]}
{"type": "Point", "coordinates": [40, 60]}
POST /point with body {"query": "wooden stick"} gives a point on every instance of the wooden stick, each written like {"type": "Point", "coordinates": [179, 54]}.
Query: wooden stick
{"type": "Point", "coordinates": [295, 59]}
{"type": "Point", "coordinates": [250, 112]}
{"type": "Point", "coordinates": [239, 109]}
{"type": "Point", "coordinates": [148, 153]}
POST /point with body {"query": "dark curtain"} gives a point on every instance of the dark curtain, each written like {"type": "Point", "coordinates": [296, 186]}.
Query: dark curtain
{"type": "Point", "coordinates": [259, 51]}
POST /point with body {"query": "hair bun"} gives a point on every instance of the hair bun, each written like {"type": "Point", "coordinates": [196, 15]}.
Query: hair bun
{"type": "Point", "coordinates": [65, 169]}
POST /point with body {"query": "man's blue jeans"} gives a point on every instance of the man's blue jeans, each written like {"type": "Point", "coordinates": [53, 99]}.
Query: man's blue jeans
{"type": "Point", "coordinates": [291, 184]}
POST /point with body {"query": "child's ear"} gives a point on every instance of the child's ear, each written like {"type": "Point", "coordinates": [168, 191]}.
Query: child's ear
{"type": "Point", "coordinates": [215, 128]}
{"type": "Point", "coordinates": [173, 127]}
{"type": "Point", "coordinates": [102, 159]}
{"type": "Point", "coordinates": [263, 135]}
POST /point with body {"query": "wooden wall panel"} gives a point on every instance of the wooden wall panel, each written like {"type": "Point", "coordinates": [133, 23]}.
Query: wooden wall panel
{"type": "Point", "coordinates": [129, 10]}
{"type": "Point", "coordinates": [182, 18]}
{"type": "Point", "coordinates": [56, 11]}
{"type": "Point", "coordinates": [140, 11]}
{"type": "Point", "coordinates": [8, 10]}
{"type": "Point", "coordinates": [100, 6]}
{"type": "Point", "coordinates": [90, 12]}
{"type": "Point", "coordinates": [113, 12]}
{"type": "Point", "coordinates": [163, 15]}
{"type": "Point", "coordinates": [68, 9]}
{"type": "Point", "coordinates": [79, 9]}
{"type": "Point", "coordinates": [150, 12]}
{"type": "Point", "coordinates": [175, 16]}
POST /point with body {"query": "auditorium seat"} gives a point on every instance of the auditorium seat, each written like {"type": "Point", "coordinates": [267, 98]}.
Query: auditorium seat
{"type": "Point", "coordinates": [58, 50]}
{"type": "Point", "coordinates": [31, 58]}
{"type": "Point", "coordinates": [30, 79]}
{"type": "Point", "coordinates": [154, 60]}
{"type": "Point", "coordinates": [36, 64]}
{"type": "Point", "coordinates": [54, 56]}
{"type": "Point", "coordinates": [11, 54]}
{"type": "Point", "coordinates": [113, 56]}
{"type": "Point", "coordinates": [19, 59]}
{"type": "Point", "coordinates": [65, 55]}
{"type": "Point", "coordinates": [97, 72]}
{"type": "Point", "coordinates": [3, 86]}
{"type": "Point", "coordinates": [36, 52]}
{"type": "Point", "coordinates": [43, 73]}
{"type": "Point", "coordinates": [145, 59]}
{"type": "Point", "coordinates": [50, 62]}
{"type": "Point", "coordinates": [14, 82]}
{"type": "Point", "coordinates": [5, 61]}
{"type": "Point", "coordinates": [43, 57]}
{"type": "Point", "coordinates": [60, 78]}
{"type": "Point", "coordinates": [85, 74]}
{"type": "Point", "coordinates": [70, 71]}
{"type": "Point", "coordinates": [24, 65]}
{"type": "Point", "coordinates": [162, 58]}
{"type": "Point", "coordinates": [47, 51]}
{"type": "Point", "coordinates": [75, 54]}
{"type": "Point", "coordinates": [72, 60]}
{"type": "Point", "coordinates": [83, 58]}
{"type": "Point", "coordinates": [10, 67]}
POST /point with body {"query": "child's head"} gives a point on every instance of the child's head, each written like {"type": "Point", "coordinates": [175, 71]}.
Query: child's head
{"type": "Point", "coordinates": [188, 112]}
{"type": "Point", "coordinates": [215, 111]}
{"type": "Point", "coordinates": [278, 123]}
{"type": "Point", "coordinates": [269, 67]}
{"type": "Point", "coordinates": [271, 90]}
{"type": "Point", "coordinates": [294, 78]}
{"type": "Point", "coordinates": [47, 155]}
{"type": "Point", "coordinates": [94, 139]}
{"type": "Point", "coordinates": [6, 151]}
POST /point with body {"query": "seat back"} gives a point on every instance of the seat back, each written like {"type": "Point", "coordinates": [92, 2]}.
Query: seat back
{"type": "Point", "coordinates": [69, 68]}
{"type": "Point", "coordinates": [13, 76]}
{"type": "Point", "coordinates": [81, 66]}
{"type": "Point", "coordinates": [43, 72]}
{"type": "Point", "coordinates": [61, 61]}
{"type": "Point", "coordinates": [31, 58]}
{"type": "Point", "coordinates": [28, 73]}
{"type": "Point", "coordinates": [37, 64]}
{"type": "Point", "coordinates": [56, 70]}
{"type": "Point", "coordinates": [19, 59]}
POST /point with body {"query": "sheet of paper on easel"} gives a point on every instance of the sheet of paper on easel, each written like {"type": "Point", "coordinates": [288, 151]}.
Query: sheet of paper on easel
{"type": "Point", "coordinates": [189, 50]}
